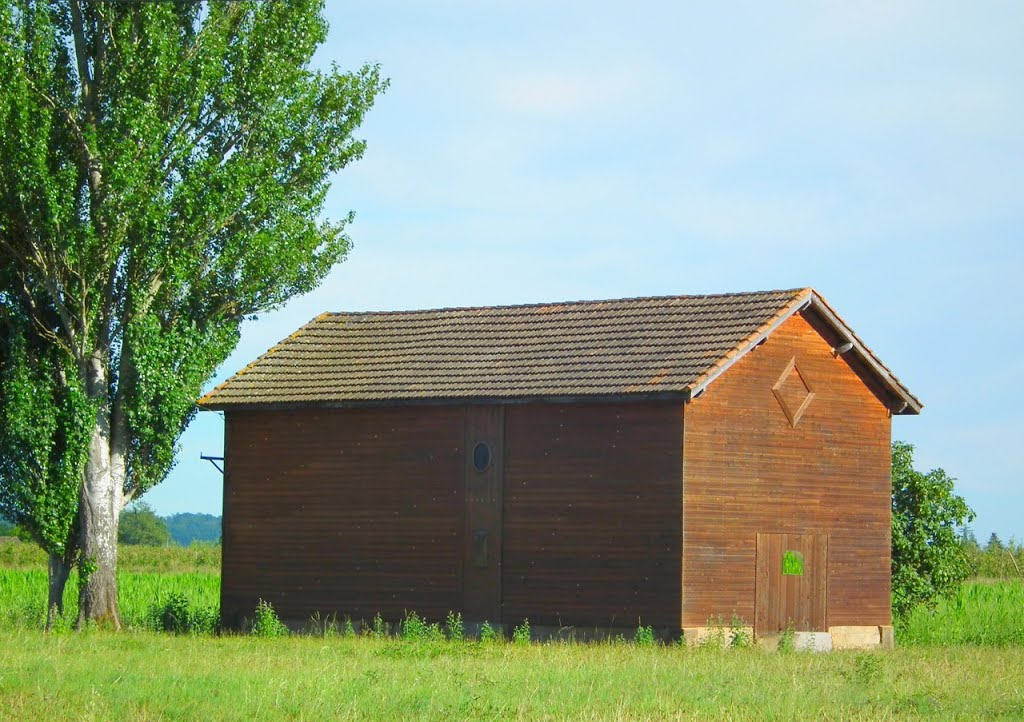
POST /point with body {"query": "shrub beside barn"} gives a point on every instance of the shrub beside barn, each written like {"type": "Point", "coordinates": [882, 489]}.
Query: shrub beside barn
{"type": "Point", "coordinates": [677, 462]}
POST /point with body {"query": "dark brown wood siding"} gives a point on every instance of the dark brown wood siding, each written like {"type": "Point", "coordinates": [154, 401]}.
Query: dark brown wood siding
{"type": "Point", "coordinates": [748, 470]}
{"type": "Point", "coordinates": [592, 514]}
{"type": "Point", "coordinates": [352, 511]}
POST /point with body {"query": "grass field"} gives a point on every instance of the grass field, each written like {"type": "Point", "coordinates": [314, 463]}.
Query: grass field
{"type": "Point", "coordinates": [961, 660]}
{"type": "Point", "coordinates": [197, 557]}
{"type": "Point", "coordinates": [141, 594]}
{"type": "Point", "coordinates": [142, 676]}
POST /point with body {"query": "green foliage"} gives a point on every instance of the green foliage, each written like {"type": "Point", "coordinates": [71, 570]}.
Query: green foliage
{"type": "Point", "coordinates": [266, 622]}
{"type": "Point", "coordinates": [521, 634]}
{"type": "Point", "coordinates": [179, 615]}
{"type": "Point", "coordinates": [488, 634]}
{"type": "Point", "coordinates": [928, 560]}
{"type": "Point", "coordinates": [379, 629]}
{"type": "Point", "coordinates": [6, 527]}
{"type": "Point", "coordinates": [44, 422]}
{"type": "Point", "coordinates": [86, 567]}
{"type": "Point", "coordinates": [188, 528]}
{"type": "Point", "coordinates": [165, 169]}
{"type": "Point", "coordinates": [994, 560]}
{"type": "Point", "coordinates": [644, 636]}
{"type": "Point", "coordinates": [456, 629]}
{"type": "Point", "coordinates": [739, 634]}
{"type": "Point", "coordinates": [979, 614]}
{"type": "Point", "coordinates": [787, 640]}
{"type": "Point", "coordinates": [141, 526]}
{"type": "Point", "coordinates": [348, 631]}
{"type": "Point", "coordinates": [416, 629]}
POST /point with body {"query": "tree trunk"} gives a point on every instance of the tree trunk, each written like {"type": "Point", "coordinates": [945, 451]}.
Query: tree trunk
{"type": "Point", "coordinates": [99, 514]}
{"type": "Point", "coordinates": [59, 569]}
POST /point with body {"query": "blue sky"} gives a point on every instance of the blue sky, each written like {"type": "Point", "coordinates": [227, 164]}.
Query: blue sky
{"type": "Point", "coordinates": [543, 151]}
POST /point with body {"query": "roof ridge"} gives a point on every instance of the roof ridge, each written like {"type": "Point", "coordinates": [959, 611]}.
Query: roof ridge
{"type": "Point", "coordinates": [614, 342]}
{"type": "Point", "coordinates": [580, 302]}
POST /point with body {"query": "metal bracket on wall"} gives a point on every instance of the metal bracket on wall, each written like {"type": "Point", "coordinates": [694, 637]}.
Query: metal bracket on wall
{"type": "Point", "coordinates": [213, 460]}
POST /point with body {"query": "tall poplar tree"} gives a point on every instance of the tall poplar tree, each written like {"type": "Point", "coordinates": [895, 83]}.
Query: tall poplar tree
{"type": "Point", "coordinates": [163, 168]}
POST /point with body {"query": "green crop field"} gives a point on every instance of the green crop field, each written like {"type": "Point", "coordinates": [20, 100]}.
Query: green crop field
{"type": "Point", "coordinates": [960, 660]}
{"type": "Point", "coordinates": [982, 613]}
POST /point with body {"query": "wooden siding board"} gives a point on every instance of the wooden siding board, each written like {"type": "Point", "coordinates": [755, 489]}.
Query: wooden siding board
{"type": "Point", "coordinates": [750, 471]}
{"type": "Point", "coordinates": [343, 511]}
{"type": "Point", "coordinates": [592, 511]}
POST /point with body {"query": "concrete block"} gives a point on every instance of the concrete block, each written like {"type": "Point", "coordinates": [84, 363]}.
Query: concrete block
{"type": "Point", "coordinates": [812, 641]}
{"type": "Point", "coordinates": [856, 637]}
{"type": "Point", "coordinates": [700, 636]}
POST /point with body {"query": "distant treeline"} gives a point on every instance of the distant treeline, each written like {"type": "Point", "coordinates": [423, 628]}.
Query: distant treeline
{"type": "Point", "coordinates": [995, 559]}
{"type": "Point", "coordinates": [139, 525]}
{"type": "Point", "coordinates": [187, 528]}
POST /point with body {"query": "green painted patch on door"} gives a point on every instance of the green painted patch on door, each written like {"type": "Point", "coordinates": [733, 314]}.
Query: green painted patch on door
{"type": "Point", "coordinates": [793, 563]}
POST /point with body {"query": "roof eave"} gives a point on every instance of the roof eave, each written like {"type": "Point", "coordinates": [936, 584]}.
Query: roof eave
{"type": "Point", "coordinates": [612, 397]}
{"type": "Point", "coordinates": [906, 404]}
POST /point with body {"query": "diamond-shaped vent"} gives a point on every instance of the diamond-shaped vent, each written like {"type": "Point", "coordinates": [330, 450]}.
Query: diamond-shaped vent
{"type": "Point", "coordinates": [793, 392]}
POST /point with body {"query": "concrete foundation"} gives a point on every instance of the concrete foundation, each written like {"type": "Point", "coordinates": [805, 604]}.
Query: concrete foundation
{"type": "Point", "coordinates": [719, 636]}
{"type": "Point", "coordinates": [836, 638]}
{"type": "Point", "coordinates": [861, 637]}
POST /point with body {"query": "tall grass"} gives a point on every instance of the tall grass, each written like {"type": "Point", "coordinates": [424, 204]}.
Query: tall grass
{"type": "Point", "coordinates": [197, 557]}
{"type": "Point", "coordinates": [990, 615]}
{"type": "Point", "coordinates": [129, 676]}
{"type": "Point", "coordinates": [141, 594]}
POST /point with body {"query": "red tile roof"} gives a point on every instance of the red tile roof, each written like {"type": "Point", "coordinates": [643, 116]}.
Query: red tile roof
{"type": "Point", "coordinates": [628, 347]}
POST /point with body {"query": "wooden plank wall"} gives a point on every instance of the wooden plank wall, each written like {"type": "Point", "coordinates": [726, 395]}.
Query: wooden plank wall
{"type": "Point", "coordinates": [592, 514]}
{"type": "Point", "coordinates": [353, 511]}
{"type": "Point", "coordinates": [747, 470]}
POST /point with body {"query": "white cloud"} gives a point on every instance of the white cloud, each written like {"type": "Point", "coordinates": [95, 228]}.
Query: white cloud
{"type": "Point", "coordinates": [548, 93]}
{"type": "Point", "coordinates": [866, 17]}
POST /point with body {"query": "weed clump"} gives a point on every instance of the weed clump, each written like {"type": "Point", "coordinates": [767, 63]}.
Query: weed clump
{"type": "Point", "coordinates": [487, 633]}
{"type": "Point", "coordinates": [787, 640]}
{"type": "Point", "coordinates": [644, 636]}
{"type": "Point", "coordinates": [521, 634]}
{"type": "Point", "coordinates": [378, 628]}
{"type": "Point", "coordinates": [456, 629]}
{"type": "Point", "coordinates": [416, 629]}
{"type": "Point", "coordinates": [266, 622]}
{"type": "Point", "coordinates": [739, 635]}
{"type": "Point", "coordinates": [178, 615]}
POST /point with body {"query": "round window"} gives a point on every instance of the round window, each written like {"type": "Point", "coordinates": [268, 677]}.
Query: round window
{"type": "Point", "coordinates": [481, 456]}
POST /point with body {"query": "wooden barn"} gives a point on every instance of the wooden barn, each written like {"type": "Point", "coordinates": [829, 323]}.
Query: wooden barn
{"type": "Point", "coordinates": [678, 462]}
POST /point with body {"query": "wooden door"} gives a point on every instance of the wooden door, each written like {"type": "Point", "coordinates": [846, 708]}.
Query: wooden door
{"type": "Point", "coordinates": [484, 465]}
{"type": "Point", "coordinates": [791, 582]}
